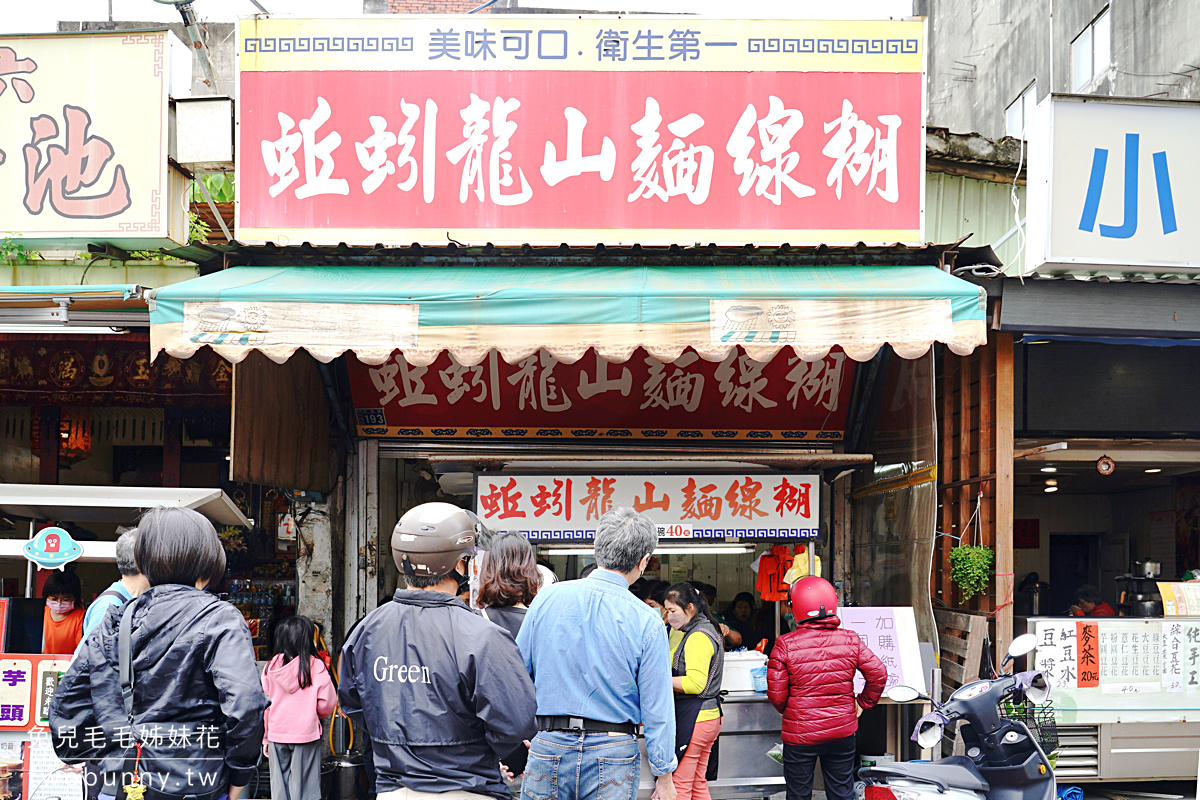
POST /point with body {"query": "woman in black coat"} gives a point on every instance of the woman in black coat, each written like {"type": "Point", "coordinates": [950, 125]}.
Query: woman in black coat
{"type": "Point", "coordinates": [197, 704]}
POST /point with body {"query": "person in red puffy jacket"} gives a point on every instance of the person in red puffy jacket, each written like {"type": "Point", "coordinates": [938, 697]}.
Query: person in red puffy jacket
{"type": "Point", "coordinates": [810, 680]}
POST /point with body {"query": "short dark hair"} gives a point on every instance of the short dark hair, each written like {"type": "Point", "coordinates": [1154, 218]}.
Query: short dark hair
{"type": "Point", "coordinates": [62, 582]}
{"type": "Point", "coordinates": [589, 569]}
{"type": "Point", "coordinates": [178, 545]}
{"type": "Point", "coordinates": [509, 573]}
{"type": "Point", "coordinates": [1087, 594]}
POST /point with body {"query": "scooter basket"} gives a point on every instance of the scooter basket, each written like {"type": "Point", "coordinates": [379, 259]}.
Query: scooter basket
{"type": "Point", "coordinates": [1038, 719]}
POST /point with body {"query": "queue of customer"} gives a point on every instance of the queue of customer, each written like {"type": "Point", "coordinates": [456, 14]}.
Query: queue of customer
{"type": "Point", "coordinates": [549, 680]}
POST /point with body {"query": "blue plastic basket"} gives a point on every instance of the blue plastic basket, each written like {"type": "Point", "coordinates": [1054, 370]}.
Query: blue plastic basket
{"type": "Point", "coordinates": [760, 679]}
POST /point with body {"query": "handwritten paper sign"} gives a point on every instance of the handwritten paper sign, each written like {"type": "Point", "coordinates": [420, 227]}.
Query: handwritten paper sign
{"type": "Point", "coordinates": [890, 633]}
{"type": "Point", "coordinates": [568, 507]}
{"type": "Point", "coordinates": [1180, 599]}
{"type": "Point", "coordinates": [1114, 655]}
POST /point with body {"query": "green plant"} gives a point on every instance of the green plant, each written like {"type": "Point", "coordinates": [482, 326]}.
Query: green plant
{"type": "Point", "coordinates": [219, 185]}
{"type": "Point", "coordinates": [198, 229]}
{"type": "Point", "coordinates": [971, 569]}
{"type": "Point", "coordinates": [13, 251]}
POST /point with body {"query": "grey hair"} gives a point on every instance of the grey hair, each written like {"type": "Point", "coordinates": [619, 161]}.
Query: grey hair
{"type": "Point", "coordinates": [126, 562]}
{"type": "Point", "coordinates": [623, 538]}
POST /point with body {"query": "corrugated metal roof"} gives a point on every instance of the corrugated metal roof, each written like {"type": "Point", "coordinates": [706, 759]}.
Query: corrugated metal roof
{"type": "Point", "coordinates": [236, 254]}
{"type": "Point", "coordinates": [956, 206]}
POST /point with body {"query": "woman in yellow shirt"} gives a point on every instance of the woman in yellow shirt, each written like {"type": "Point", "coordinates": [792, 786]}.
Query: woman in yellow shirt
{"type": "Point", "coordinates": [697, 659]}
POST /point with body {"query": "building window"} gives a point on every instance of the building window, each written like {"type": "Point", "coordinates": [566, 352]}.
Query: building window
{"type": "Point", "coordinates": [1091, 52]}
{"type": "Point", "coordinates": [1016, 116]}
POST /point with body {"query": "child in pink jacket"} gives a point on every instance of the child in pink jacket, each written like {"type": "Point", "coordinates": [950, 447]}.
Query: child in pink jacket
{"type": "Point", "coordinates": [301, 694]}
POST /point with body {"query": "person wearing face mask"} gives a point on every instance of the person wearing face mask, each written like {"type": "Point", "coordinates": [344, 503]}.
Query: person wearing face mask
{"type": "Point", "coordinates": [62, 624]}
{"type": "Point", "coordinates": [697, 661]}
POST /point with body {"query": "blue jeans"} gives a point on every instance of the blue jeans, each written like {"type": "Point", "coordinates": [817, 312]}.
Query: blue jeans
{"type": "Point", "coordinates": [582, 766]}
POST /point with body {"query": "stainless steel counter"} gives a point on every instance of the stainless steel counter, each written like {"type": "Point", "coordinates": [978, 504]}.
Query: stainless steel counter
{"type": "Point", "coordinates": [751, 728]}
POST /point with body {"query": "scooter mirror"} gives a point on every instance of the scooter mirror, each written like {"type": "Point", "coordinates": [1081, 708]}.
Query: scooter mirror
{"type": "Point", "coordinates": [1022, 645]}
{"type": "Point", "coordinates": [902, 694]}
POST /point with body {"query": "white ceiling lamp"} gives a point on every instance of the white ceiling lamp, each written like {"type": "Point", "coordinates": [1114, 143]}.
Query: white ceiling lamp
{"type": "Point", "coordinates": [1049, 469]}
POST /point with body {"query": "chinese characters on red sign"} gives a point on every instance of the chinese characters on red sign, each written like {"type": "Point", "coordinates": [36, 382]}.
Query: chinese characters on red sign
{"type": "Point", "coordinates": [737, 398]}
{"type": "Point", "coordinates": [763, 506]}
{"type": "Point", "coordinates": [580, 151]}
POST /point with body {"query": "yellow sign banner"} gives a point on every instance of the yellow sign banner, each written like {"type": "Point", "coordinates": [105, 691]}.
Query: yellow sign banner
{"type": "Point", "coordinates": [604, 44]}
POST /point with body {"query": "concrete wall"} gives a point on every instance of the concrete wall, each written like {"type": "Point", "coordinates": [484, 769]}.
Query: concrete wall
{"type": "Point", "coordinates": [984, 53]}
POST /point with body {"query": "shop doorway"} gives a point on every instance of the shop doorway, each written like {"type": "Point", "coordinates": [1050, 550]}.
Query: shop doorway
{"type": "Point", "coordinates": [1074, 561]}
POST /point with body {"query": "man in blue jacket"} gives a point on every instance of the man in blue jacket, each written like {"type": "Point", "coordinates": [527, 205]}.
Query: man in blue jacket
{"type": "Point", "coordinates": [443, 691]}
{"type": "Point", "coordinates": [600, 661]}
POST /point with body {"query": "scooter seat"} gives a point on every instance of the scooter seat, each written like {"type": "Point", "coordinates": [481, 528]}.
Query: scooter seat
{"type": "Point", "coordinates": [954, 772]}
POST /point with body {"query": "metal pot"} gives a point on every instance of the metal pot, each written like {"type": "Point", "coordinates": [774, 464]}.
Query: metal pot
{"type": "Point", "coordinates": [1151, 569]}
{"type": "Point", "coordinates": [1146, 608]}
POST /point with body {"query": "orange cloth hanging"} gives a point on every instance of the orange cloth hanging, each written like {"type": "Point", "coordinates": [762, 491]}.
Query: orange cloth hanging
{"type": "Point", "coordinates": [771, 569]}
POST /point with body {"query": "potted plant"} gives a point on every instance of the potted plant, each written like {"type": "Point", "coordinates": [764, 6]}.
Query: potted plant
{"type": "Point", "coordinates": [971, 569]}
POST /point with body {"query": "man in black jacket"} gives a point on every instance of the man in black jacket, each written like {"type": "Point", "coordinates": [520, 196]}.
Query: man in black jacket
{"type": "Point", "coordinates": [443, 691]}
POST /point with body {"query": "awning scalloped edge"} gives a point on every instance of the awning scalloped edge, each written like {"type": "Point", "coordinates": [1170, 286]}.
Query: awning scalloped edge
{"type": "Point", "coordinates": [967, 336]}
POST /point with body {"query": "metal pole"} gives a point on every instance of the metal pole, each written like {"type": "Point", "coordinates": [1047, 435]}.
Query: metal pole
{"type": "Point", "coordinates": [189, 20]}
{"type": "Point", "coordinates": [29, 564]}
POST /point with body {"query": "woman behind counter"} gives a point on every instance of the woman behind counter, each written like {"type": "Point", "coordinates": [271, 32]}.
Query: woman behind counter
{"type": "Point", "coordinates": [697, 661]}
{"type": "Point", "coordinates": [508, 581]}
{"type": "Point", "coordinates": [62, 624]}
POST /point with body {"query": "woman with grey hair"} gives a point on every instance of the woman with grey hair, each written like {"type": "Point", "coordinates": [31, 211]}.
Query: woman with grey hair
{"type": "Point", "coordinates": [131, 584]}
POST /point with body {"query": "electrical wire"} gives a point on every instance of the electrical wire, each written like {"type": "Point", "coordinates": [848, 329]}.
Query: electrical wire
{"type": "Point", "coordinates": [320, 641]}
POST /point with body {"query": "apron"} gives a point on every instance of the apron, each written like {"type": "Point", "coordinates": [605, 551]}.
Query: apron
{"type": "Point", "coordinates": [687, 708]}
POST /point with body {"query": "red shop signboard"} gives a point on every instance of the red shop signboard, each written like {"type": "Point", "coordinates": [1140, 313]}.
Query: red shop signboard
{"type": "Point", "coordinates": [547, 130]}
{"type": "Point", "coordinates": [690, 399]}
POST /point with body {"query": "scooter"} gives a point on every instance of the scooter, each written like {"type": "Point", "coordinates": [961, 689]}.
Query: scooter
{"type": "Point", "coordinates": [1004, 759]}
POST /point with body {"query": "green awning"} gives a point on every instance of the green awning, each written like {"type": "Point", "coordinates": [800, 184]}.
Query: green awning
{"type": "Point", "coordinates": [421, 311]}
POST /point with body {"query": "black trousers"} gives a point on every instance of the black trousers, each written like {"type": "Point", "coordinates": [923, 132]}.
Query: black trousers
{"type": "Point", "coordinates": [837, 767]}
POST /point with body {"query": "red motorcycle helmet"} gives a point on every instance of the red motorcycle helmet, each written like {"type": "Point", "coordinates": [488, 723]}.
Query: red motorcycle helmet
{"type": "Point", "coordinates": [813, 598]}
